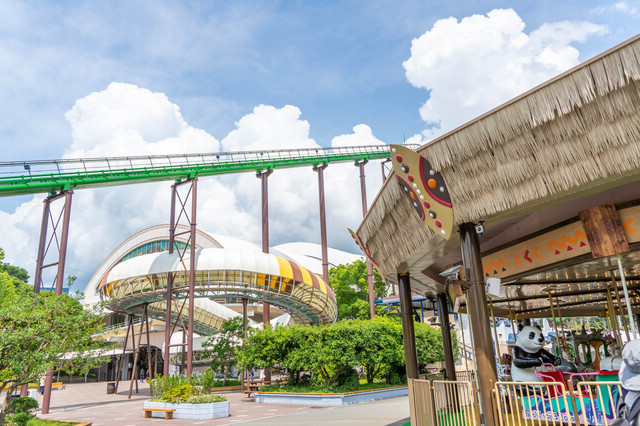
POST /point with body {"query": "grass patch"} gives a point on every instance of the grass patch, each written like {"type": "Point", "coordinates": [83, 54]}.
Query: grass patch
{"type": "Point", "coordinates": [43, 422]}
{"type": "Point", "coordinates": [193, 399]}
{"type": "Point", "coordinates": [218, 384]}
{"type": "Point", "coordinates": [311, 389]}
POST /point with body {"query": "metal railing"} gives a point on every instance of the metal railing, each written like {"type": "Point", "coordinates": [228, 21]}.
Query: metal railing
{"type": "Point", "coordinates": [466, 376]}
{"type": "Point", "coordinates": [454, 403]}
{"type": "Point", "coordinates": [41, 176]}
{"type": "Point", "coordinates": [533, 403]}
{"type": "Point", "coordinates": [551, 403]}
{"type": "Point", "coordinates": [598, 401]}
{"type": "Point", "coordinates": [421, 402]}
{"type": "Point", "coordinates": [442, 403]}
{"type": "Point", "coordinates": [119, 326]}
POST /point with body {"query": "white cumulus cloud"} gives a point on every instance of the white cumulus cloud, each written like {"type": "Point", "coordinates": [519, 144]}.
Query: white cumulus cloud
{"type": "Point", "coordinates": [477, 63]}
{"type": "Point", "coordinates": [126, 120]}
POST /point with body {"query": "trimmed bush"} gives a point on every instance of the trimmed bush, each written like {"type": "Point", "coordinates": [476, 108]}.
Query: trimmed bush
{"type": "Point", "coordinates": [179, 394]}
{"type": "Point", "coordinates": [20, 419]}
{"type": "Point", "coordinates": [206, 399]}
{"type": "Point", "coordinates": [22, 404]}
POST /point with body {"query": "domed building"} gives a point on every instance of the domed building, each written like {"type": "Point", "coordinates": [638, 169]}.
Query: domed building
{"type": "Point", "coordinates": [227, 270]}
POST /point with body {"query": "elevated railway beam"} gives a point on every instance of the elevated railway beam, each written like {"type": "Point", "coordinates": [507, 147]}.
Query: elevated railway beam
{"type": "Point", "coordinates": [48, 176]}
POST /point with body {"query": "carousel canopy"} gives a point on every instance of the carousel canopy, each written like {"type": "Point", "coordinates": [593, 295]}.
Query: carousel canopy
{"type": "Point", "coordinates": [552, 176]}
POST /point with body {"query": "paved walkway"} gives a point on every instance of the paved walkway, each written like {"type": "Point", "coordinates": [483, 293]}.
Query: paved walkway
{"type": "Point", "coordinates": [89, 402]}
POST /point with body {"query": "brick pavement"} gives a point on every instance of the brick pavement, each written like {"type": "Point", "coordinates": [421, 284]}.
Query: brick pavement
{"type": "Point", "coordinates": [89, 402]}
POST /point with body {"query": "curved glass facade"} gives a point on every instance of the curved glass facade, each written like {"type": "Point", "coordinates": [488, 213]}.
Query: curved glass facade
{"type": "Point", "coordinates": [152, 247]}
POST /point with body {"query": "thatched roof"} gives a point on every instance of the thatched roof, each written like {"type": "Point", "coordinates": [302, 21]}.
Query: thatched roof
{"type": "Point", "coordinates": [576, 134]}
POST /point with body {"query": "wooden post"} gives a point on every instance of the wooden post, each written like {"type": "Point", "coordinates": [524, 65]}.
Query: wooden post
{"type": "Point", "coordinates": [445, 329]}
{"type": "Point", "coordinates": [479, 319]}
{"type": "Point", "coordinates": [408, 334]}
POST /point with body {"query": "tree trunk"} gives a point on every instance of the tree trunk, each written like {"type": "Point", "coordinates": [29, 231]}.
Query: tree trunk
{"type": "Point", "coordinates": [7, 399]}
{"type": "Point", "coordinates": [332, 380]}
{"type": "Point", "coordinates": [371, 373]}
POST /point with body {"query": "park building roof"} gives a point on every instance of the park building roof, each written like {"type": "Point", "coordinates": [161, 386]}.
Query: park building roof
{"type": "Point", "coordinates": [527, 168]}
{"type": "Point", "coordinates": [227, 270]}
{"type": "Point", "coordinates": [221, 272]}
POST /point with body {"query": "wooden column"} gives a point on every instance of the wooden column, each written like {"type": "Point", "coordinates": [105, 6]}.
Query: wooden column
{"type": "Point", "coordinates": [445, 328]}
{"type": "Point", "coordinates": [408, 335]}
{"type": "Point", "coordinates": [479, 319]}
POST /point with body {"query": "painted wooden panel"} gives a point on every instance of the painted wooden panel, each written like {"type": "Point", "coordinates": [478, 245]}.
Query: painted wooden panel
{"type": "Point", "coordinates": [604, 231]}
{"type": "Point", "coordinates": [556, 246]}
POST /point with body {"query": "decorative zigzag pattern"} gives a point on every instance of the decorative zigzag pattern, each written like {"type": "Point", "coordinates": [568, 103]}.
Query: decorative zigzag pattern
{"type": "Point", "coordinates": [493, 267]}
{"type": "Point", "coordinates": [568, 242]}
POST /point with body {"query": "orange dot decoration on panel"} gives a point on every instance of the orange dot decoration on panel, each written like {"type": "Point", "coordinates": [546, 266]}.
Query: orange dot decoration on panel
{"type": "Point", "coordinates": [366, 251]}
{"type": "Point", "coordinates": [425, 188]}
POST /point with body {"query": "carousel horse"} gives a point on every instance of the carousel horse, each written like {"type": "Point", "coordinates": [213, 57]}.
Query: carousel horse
{"type": "Point", "coordinates": [568, 364]}
{"type": "Point", "coordinates": [614, 360]}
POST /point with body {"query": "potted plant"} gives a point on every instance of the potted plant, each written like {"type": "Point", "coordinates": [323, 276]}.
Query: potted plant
{"type": "Point", "coordinates": [188, 400]}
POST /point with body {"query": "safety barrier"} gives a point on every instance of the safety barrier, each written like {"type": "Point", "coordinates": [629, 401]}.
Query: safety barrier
{"type": "Point", "coordinates": [466, 376]}
{"type": "Point", "coordinates": [556, 403]}
{"type": "Point", "coordinates": [421, 402]}
{"type": "Point", "coordinates": [532, 403]}
{"type": "Point", "coordinates": [453, 403]}
{"type": "Point", "coordinates": [598, 401]}
{"type": "Point", "coordinates": [442, 403]}
{"type": "Point", "coordinates": [461, 376]}
{"type": "Point", "coordinates": [434, 376]}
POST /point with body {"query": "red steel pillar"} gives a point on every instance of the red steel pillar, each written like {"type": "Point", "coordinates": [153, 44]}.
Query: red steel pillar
{"type": "Point", "coordinates": [323, 222]}
{"type": "Point", "coordinates": [192, 275]}
{"type": "Point", "coordinates": [363, 193]}
{"type": "Point", "coordinates": [44, 244]}
{"type": "Point", "coordinates": [244, 377]}
{"type": "Point", "coordinates": [43, 248]}
{"type": "Point", "coordinates": [266, 308]}
{"type": "Point", "coordinates": [172, 241]}
{"type": "Point", "coordinates": [190, 217]}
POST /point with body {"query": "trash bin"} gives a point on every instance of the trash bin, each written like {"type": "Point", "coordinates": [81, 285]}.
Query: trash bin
{"type": "Point", "coordinates": [111, 388]}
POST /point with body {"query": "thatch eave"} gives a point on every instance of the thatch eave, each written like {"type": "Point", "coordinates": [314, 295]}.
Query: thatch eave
{"type": "Point", "coordinates": [575, 135]}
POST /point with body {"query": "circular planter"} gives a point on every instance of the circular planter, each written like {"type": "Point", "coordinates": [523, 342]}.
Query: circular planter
{"type": "Point", "coordinates": [328, 400]}
{"type": "Point", "coordinates": [214, 410]}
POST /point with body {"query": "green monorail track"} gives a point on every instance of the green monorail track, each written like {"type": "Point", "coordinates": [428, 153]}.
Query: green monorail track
{"type": "Point", "coordinates": [50, 176]}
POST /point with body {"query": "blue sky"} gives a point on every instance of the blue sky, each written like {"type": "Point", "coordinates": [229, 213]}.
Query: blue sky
{"type": "Point", "coordinates": [238, 75]}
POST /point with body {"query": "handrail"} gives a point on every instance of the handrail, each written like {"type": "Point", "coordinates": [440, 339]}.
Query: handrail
{"type": "Point", "coordinates": [47, 176]}
{"type": "Point", "coordinates": [119, 326]}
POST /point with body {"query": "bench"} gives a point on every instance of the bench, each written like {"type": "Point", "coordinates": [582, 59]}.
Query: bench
{"type": "Point", "coordinates": [57, 385]}
{"type": "Point", "coordinates": [254, 386]}
{"type": "Point", "coordinates": [168, 412]}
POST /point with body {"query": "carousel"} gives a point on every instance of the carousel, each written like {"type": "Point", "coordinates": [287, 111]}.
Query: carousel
{"type": "Point", "coordinates": [528, 214]}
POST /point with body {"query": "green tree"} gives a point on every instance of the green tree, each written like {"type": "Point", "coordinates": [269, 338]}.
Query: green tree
{"type": "Point", "coordinates": [279, 346]}
{"type": "Point", "coordinates": [380, 346]}
{"type": "Point", "coordinates": [334, 352]}
{"type": "Point", "coordinates": [350, 286]}
{"type": "Point", "coordinates": [36, 330]}
{"type": "Point", "coordinates": [221, 346]}
{"type": "Point", "coordinates": [13, 271]}
{"type": "Point", "coordinates": [429, 344]}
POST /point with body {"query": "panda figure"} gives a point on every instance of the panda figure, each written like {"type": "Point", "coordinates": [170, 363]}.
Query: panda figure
{"type": "Point", "coordinates": [528, 353]}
